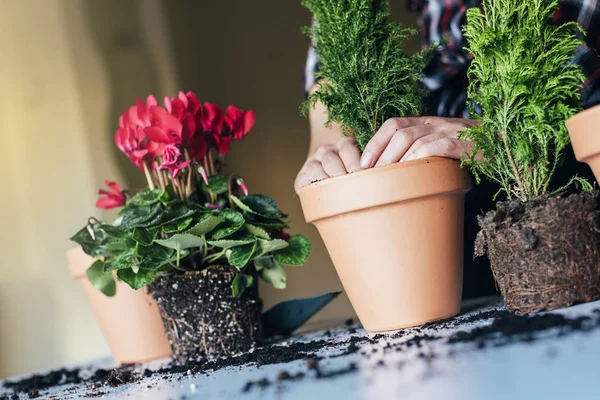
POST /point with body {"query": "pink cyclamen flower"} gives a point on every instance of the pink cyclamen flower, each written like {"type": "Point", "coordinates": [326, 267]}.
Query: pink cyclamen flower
{"type": "Point", "coordinates": [114, 197]}
{"type": "Point", "coordinates": [239, 122]}
{"type": "Point", "coordinates": [170, 157]}
{"type": "Point", "coordinates": [131, 139]}
{"type": "Point", "coordinates": [176, 169]}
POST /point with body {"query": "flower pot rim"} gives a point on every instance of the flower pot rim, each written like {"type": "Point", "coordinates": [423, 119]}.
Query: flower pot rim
{"type": "Point", "coordinates": [382, 169]}
{"type": "Point", "coordinates": [581, 116]}
{"type": "Point", "coordinates": [404, 181]}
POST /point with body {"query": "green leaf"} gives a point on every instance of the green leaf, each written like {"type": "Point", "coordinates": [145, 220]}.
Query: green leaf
{"type": "Point", "coordinates": [237, 239]}
{"type": "Point", "coordinates": [218, 184]}
{"type": "Point", "coordinates": [271, 272]}
{"type": "Point", "coordinates": [144, 216]}
{"type": "Point", "coordinates": [178, 213]}
{"type": "Point", "coordinates": [124, 260]}
{"type": "Point", "coordinates": [112, 231]}
{"type": "Point", "coordinates": [157, 256]}
{"type": "Point", "coordinates": [181, 241]}
{"type": "Point", "coordinates": [261, 205]}
{"type": "Point", "coordinates": [177, 226]}
{"type": "Point", "coordinates": [147, 197]}
{"type": "Point", "coordinates": [240, 283]}
{"type": "Point", "coordinates": [269, 246]}
{"type": "Point", "coordinates": [267, 223]}
{"type": "Point", "coordinates": [240, 204]}
{"type": "Point", "coordinates": [90, 246]}
{"type": "Point", "coordinates": [116, 244]}
{"type": "Point", "coordinates": [136, 280]}
{"type": "Point", "coordinates": [296, 253]}
{"type": "Point", "coordinates": [101, 281]}
{"type": "Point", "coordinates": [233, 222]}
{"type": "Point", "coordinates": [240, 255]}
{"type": "Point", "coordinates": [207, 223]}
{"type": "Point", "coordinates": [144, 236]}
{"type": "Point", "coordinates": [257, 231]}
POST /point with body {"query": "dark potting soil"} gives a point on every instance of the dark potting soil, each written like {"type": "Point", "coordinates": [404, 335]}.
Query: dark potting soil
{"type": "Point", "coordinates": [202, 319]}
{"type": "Point", "coordinates": [102, 377]}
{"type": "Point", "coordinates": [504, 328]}
{"type": "Point", "coordinates": [544, 253]}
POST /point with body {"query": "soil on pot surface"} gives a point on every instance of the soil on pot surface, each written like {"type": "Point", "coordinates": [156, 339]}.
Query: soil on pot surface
{"type": "Point", "coordinates": [202, 319]}
{"type": "Point", "coordinates": [543, 253]}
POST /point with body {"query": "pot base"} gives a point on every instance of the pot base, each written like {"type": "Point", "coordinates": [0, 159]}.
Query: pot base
{"type": "Point", "coordinates": [413, 324]}
{"type": "Point", "coordinates": [544, 253]}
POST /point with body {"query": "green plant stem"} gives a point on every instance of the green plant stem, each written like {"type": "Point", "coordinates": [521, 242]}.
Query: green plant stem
{"type": "Point", "coordinates": [148, 176]}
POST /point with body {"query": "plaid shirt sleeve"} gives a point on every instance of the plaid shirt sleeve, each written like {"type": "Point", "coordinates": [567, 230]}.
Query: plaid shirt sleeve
{"type": "Point", "coordinates": [446, 75]}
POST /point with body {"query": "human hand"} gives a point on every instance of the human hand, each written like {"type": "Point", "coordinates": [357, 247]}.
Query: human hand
{"type": "Point", "coordinates": [405, 139]}
{"type": "Point", "coordinates": [328, 161]}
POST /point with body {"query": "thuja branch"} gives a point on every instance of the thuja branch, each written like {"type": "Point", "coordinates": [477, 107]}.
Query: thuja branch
{"type": "Point", "coordinates": [523, 78]}
{"type": "Point", "coordinates": [364, 76]}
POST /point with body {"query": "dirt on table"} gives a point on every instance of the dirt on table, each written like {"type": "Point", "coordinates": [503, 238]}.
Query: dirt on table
{"type": "Point", "coordinates": [201, 317]}
{"type": "Point", "coordinates": [544, 253]}
{"type": "Point", "coordinates": [501, 328]}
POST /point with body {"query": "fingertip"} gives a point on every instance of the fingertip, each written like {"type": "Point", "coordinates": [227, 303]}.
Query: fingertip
{"type": "Point", "coordinates": [366, 160]}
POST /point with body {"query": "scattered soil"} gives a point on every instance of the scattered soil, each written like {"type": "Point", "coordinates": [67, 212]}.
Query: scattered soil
{"type": "Point", "coordinates": [202, 319]}
{"type": "Point", "coordinates": [33, 385]}
{"type": "Point", "coordinates": [544, 253]}
{"type": "Point", "coordinates": [509, 328]}
{"type": "Point", "coordinates": [504, 328]}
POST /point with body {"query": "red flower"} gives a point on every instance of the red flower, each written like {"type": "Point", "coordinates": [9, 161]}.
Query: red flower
{"type": "Point", "coordinates": [131, 139]}
{"type": "Point", "coordinates": [176, 169]}
{"type": "Point", "coordinates": [239, 122]}
{"type": "Point", "coordinates": [170, 157]}
{"type": "Point", "coordinates": [114, 198]}
{"type": "Point", "coordinates": [176, 124]}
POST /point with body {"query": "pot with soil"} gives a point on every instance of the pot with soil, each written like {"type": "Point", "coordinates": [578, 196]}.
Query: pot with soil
{"type": "Point", "coordinates": [542, 247]}
{"type": "Point", "coordinates": [202, 319]}
{"type": "Point", "coordinates": [195, 237]}
{"type": "Point", "coordinates": [129, 320]}
{"type": "Point", "coordinates": [584, 129]}
{"type": "Point", "coordinates": [544, 253]}
{"type": "Point", "coordinates": [395, 236]}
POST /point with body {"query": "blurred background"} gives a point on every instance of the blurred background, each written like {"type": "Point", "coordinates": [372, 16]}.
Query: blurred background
{"type": "Point", "coordinates": [67, 70]}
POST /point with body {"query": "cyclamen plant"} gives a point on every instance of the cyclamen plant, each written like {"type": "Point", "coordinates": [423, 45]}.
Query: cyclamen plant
{"type": "Point", "coordinates": [190, 216]}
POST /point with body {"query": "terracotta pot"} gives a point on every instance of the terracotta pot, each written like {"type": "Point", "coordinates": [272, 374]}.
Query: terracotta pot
{"type": "Point", "coordinates": [130, 320]}
{"type": "Point", "coordinates": [395, 236]}
{"type": "Point", "coordinates": [584, 130]}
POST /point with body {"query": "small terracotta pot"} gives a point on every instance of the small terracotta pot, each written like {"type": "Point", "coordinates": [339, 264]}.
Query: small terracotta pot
{"type": "Point", "coordinates": [584, 130]}
{"type": "Point", "coordinates": [395, 236]}
{"type": "Point", "coordinates": [130, 320]}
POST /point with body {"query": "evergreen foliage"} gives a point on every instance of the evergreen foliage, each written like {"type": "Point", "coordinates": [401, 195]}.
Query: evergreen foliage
{"type": "Point", "coordinates": [523, 79]}
{"type": "Point", "coordinates": [367, 78]}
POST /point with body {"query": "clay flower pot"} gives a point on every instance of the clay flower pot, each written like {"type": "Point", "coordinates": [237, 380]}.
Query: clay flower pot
{"type": "Point", "coordinates": [202, 318]}
{"type": "Point", "coordinates": [584, 130]}
{"type": "Point", "coordinates": [395, 236]}
{"type": "Point", "coordinates": [130, 320]}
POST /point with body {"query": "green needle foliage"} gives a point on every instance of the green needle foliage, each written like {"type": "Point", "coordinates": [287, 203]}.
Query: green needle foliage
{"type": "Point", "coordinates": [522, 78]}
{"type": "Point", "coordinates": [367, 78]}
